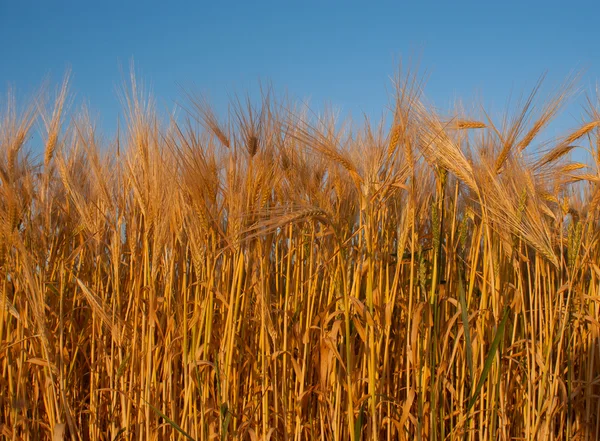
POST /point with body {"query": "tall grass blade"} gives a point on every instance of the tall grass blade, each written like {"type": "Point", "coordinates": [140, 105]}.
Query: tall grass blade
{"type": "Point", "coordinates": [171, 423]}
{"type": "Point", "coordinates": [465, 320]}
{"type": "Point", "coordinates": [489, 360]}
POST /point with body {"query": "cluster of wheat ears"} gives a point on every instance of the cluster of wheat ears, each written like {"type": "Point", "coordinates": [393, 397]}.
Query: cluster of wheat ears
{"type": "Point", "coordinates": [273, 274]}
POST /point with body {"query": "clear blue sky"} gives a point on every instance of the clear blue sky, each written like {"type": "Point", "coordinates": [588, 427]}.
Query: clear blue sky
{"type": "Point", "coordinates": [340, 52]}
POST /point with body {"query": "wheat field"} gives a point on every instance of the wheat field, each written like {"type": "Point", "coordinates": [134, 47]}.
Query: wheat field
{"type": "Point", "coordinates": [277, 274]}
